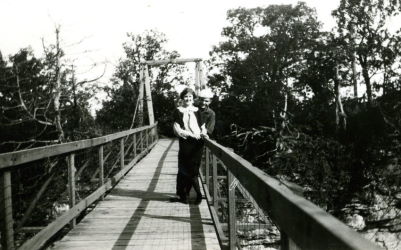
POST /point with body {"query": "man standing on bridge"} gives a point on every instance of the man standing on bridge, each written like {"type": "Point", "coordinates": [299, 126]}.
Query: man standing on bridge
{"type": "Point", "coordinates": [207, 114]}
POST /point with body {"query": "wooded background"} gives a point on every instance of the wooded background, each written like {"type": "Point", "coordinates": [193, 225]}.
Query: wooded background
{"type": "Point", "coordinates": [321, 109]}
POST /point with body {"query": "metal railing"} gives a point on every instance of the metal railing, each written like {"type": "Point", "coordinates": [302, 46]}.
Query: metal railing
{"type": "Point", "coordinates": [280, 217]}
{"type": "Point", "coordinates": [94, 167]}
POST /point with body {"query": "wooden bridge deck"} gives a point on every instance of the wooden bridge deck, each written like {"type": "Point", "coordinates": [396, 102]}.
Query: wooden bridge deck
{"type": "Point", "coordinates": [137, 213]}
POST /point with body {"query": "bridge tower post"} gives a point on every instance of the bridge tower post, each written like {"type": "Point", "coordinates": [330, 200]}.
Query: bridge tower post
{"type": "Point", "coordinates": [140, 96]}
{"type": "Point", "coordinates": [149, 102]}
{"type": "Point", "coordinates": [199, 80]}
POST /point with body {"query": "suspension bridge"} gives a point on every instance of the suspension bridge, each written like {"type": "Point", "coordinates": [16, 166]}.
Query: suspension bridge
{"type": "Point", "coordinates": [132, 175]}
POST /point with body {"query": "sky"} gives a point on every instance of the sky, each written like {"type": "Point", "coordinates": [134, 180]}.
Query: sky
{"type": "Point", "coordinates": [93, 32]}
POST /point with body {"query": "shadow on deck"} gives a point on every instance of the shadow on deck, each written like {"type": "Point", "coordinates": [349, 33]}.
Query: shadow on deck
{"type": "Point", "coordinates": [137, 213]}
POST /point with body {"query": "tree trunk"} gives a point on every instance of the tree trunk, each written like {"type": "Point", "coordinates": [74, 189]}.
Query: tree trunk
{"type": "Point", "coordinates": [57, 90]}
{"type": "Point", "coordinates": [365, 74]}
{"type": "Point", "coordinates": [354, 81]}
{"type": "Point", "coordinates": [341, 121]}
{"type": "Point", "coordinates": [353, 58]}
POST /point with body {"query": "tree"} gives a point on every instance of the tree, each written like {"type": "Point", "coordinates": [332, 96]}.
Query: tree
{"type": "Point", "coordinates": [25, 102]}
{"type": "Point", "coordinates": [264, 51]}
{"type": "Point", "coordinates": [41, 100]}
{"type": "Point", "coordinates": [123, 95]}
{"type": "Point", "coordinates": [362, 24]}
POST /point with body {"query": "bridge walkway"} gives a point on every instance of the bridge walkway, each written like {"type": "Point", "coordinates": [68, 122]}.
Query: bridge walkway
{"type": "Point", "coordinates": [137, 213]}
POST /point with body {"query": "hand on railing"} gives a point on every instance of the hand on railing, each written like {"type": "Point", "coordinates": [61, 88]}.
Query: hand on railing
{"type": "Point", "coordinates": [205, 136]}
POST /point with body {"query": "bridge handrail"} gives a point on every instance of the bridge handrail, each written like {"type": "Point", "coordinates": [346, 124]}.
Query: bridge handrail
{"type": "Point", "coordinates": [11, 161]}
{"type": "Point", "coordinates": [299, 220]}
{"type": "Point", "coordinates": [16, 158]}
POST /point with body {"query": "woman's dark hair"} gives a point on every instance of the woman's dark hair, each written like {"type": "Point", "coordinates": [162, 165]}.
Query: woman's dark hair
{"type": "Point", "coordinates": [187, 91]}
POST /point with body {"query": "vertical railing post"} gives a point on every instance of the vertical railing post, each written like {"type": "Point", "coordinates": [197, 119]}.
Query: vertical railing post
{"type": "Point", "coordinates": [101, 167]}
{"type": "Point", "coordinates": [232, 234]}
{"type": "Point", "coordinates": [140, 142]}
{"type": "Point", "coordinates": [71, 183]}
{"type": "Point", "coordinates": [122, 153]}
{"type": "Point", "coordinates": [6, 211]}
{"type": "Point", "coordinates": [214, 182]}
{"type": "Point", "coordinates": [134, 145]}
{"type": "Point", "coordinates": [207, 170]}
{"type": "Point", "coordinates": [287, 243]}
{"type": "Point", "coordinates": [152, 135]}
{"type": "Point", "coordinates": [283, 241]}
{"type": "Point", "coordinates": [147, 138]}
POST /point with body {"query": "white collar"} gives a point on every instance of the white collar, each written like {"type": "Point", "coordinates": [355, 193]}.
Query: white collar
{"type": "Point", "coordinates": [187, 109]}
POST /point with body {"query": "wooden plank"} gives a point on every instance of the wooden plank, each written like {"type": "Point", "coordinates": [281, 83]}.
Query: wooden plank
{"type": "Point", "coordinates": [308, 225]}
{"type": "Point", "coordinates": [178, 60]}
{"type": "Point", "coordinates": [71, 184]}
{"type": "Point", "coordinates": [43, 236]}
{"type": "Point", "coordinates": [6, 213]}
{"type": "Point", "coordinates": [232, 231]}
{"type": "Point", "coordinates": [138, 215]}
{"type": "Point", "coordinates": [29, 155]}
{"type": "Point", "coordinates": [128, 167]}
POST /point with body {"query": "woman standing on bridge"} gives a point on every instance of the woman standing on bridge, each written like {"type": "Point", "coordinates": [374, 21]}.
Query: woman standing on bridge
{"type": "Point", "coordinates": [190, 131]}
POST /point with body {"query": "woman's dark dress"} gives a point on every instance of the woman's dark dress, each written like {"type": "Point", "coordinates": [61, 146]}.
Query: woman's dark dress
{"type": "Point", "coordinates": [189, 158]}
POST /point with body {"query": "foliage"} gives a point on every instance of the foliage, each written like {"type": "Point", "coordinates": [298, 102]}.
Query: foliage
{"type": "Point", "coordinates": [117, 112]}
{"type": "Point", "coordinates": [264, 51]}
{"type": "Point", "coordinates": [363, 26]}
{"type": "Point", "coordinates": [27, 101]}
{"type": "Point", "coordinates": [37, 94]}
{"type": "Point", "coordinates": [283, 82]}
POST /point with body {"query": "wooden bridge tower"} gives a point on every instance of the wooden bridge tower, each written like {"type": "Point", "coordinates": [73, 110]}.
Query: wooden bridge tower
{"type": "Point", "coordinates": [144, 88]}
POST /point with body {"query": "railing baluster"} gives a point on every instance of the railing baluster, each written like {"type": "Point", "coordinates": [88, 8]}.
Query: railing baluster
{"type": "Point", "coordinates": [231, 211]}
{"type": "Point", "coordinates": [134, 145]}
{"type": "Point", "coordinates": [11, 160]}
{"type": "Point", "coordinates": [6, 211]}
{"type": "Point", "coordinates": [101, 167]}
{"type": "Point", "coordinates": [287, 243]}
{"type": "Point", "coordinates": [151, 135]}
{"type": "Point", "coordinates": [147, 138]}
{"type": "Point", "coordinates": [142, 141]}
{"type": "Point", "coordinates": [139, 142]}
{"type": "Point", "coordinates": [214, 182]}
{"type": "Point", "coordinates": [207, 168]}
{"type": "Point", "coordinates": [71, 183]}
{"type": "Point", "coordinates": [122, 153]}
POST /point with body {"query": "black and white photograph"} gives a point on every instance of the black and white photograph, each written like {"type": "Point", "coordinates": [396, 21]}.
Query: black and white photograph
{"type": "Point", "coordinates": [200, 125]}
